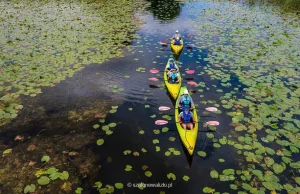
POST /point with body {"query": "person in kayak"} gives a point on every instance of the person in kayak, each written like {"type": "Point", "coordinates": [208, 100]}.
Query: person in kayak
{"type": "Point", "coordinates": [173, 76]}
{"type": "Point", "coordinates": [171, 65]}
{"type": "Point", "coordinates": [185, 100]}
{"type": "Point", "coordinates": [176, 39]}
{"type": "Point", "coordinates": [185, 117]}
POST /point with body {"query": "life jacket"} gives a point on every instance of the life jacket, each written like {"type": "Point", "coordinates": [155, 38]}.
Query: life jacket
{"type": "Point", "coordinates": [173, 77]}
{"type": "Point", "coordinates": [172, 66]}
{"type": "Point", "coordinates": [186, 117]}
{"type": "Point", "coordinates": [177, 42]}
{"type": "Point", "coordinates": [186, 100]}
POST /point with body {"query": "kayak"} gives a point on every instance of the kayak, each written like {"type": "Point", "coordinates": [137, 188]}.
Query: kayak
{"type": "Point", "coordinates": [188, 137]}
{"type": "Point", "coordinates": [177, 48]}
{"type": "Point", "coordinates": [172, 88]}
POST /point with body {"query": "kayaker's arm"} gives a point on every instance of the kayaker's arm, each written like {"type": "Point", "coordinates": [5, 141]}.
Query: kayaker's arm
{"type": "Point", "coordinates": [192, 103]}
{"type": "Point", "coordinates": [178, 79]}
{"type": "Point", "coordinates": [179, 103]}
{"type": "Point", "coordinates": [177, 69]}
{"type": "Point", "coordinates": [166, 69]}
{"type": "Point", "coordinates": [194, 120]}
{"type": "Point", "coordinates": [179, 118]}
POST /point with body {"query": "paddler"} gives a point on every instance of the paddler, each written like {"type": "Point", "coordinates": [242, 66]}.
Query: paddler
{"type": "Point", "coordinates": [176, 39]}
{"type": "Point", "coordinates": [185, 100]}
{"type": "Point", "coordinates": [171, 65]}
{"type": "Point", "coordinates": [173, 76]}
{"type": "Point", "coordinates": [185, 117]}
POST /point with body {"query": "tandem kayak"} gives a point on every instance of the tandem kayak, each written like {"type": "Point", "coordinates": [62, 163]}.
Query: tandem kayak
{"type": "Point", "coordinates": [188, 137]}
{"type": "Point", "coordinates": [177, 48]}
{"type": "Point", "coordinates": [172, 88]}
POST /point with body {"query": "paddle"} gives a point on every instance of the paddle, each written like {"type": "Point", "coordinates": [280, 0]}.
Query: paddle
{"type": "Point", "coordinates": [187, 71]}
{"type": "Point", "coordinates": [164, 122]}
{"type": "Point", "coordinates": [157, 79]}
{"type": "Point", "coordinates": [165, 108]}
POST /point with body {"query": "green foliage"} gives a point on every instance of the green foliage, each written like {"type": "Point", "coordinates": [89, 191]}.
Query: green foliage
{"type": "Point", "coordinates": [43, 180]}
{"type": "Point", "coordinates": [78, 190]}
{"type": "Point", "coordinates": [45, 159]}
{"type": "Point", "coordinates": [171, 176]}
{"type": "Point", "coordinates": [29, 188]}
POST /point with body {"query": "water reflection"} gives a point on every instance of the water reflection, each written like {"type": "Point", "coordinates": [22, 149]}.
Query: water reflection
{"type": "Point", "coordinates": [165, 10]}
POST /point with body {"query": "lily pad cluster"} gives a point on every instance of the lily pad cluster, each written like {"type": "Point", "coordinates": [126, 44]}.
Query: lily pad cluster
{"type": "Point", "coordinates": [263, 56]}
{"type": "Point", "coordinates": [43, 43]}
{"type": "Point", "coordinates": [49, 175]}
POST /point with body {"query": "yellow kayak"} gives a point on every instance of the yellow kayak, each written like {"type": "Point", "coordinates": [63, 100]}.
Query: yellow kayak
{"type": "Point", "coordinates": [188, 137]}
{"type": "Point", "coordinates": [172, 88]}
{"type": "Point", "coordinates": [177, 48]}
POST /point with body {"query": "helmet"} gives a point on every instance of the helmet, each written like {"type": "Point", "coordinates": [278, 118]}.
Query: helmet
{"type": "Point", "coordinates": [186, 91]}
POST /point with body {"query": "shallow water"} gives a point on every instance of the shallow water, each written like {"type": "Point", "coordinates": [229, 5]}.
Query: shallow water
{"type": "Point", "coordinates": [90, 91]}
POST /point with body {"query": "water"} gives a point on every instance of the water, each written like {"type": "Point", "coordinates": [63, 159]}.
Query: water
{"type": "Point", "coordinates": [89, 92]}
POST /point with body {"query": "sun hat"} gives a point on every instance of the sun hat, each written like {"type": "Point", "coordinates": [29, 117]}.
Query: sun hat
{"type": "Point", "coordinates": [186, 91]}
{"type": "Point", "coordinates": [176, 30]}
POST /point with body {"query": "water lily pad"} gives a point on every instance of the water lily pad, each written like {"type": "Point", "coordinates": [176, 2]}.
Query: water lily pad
{"type": "Point", "coordinates": [214, 174]}
{"type": "Point", "coordinates": [155, 141]}
{"type": "Point", "coordinates": [113, 111]}
{"type": "Point", "coordinates": [64, 175]}
{"type": "Point", "coordinates": [185, 178]}
{"type": "Point", "coordinates": [29, 188]}
{"type": "Point", "coordinates": [208, 190]}
{"type": "Point", "coordinates": [105, 127]}
{"type": "Point", "coordinates": [144, 150]}
{"type": "Point", "coordinates": [141, 132]}
{"type": "Point", "coordinates": [147, 106]}
{"type": "Point", "coordinates": [278, 168]}
{"type": "Point", "coordinates": [128, 168]}
{"type": "Point", "coordinates": [201, 153]}
{"type": "Point", "coordinates": [157, 148]}
{"type": "Point", "coordinates": [153, 116]}
{"type": "Point", "coordinates": [167, 153]}
{"type": "Point", "coordinates": [171, 176]}
{"type": "Point", "coordinates": [8, 151]}
{"type": "Point", "coordinates": [96, 126]}
{"type": "Point", "coordinates": [119, 185]}
{"type": "Point", "coordinates": [112, 125]}
{"type": "Point", "coordinates": [165, 129]}
{"type": "Point", "coordinates": [148, 173]}
{"type": "Point", "coordinates": [144, 167]}
{"type": "Point", "coordinates": [172, 139]}
{"type": "Point", "coordinates": [233, 186]}
{"type": "Point", "coordinates": [127, 152]}
{"type": "Point", "coordinates": [100, 142]}
{"type": "Point", "coordinates": [45, 159]}
{"type": "Point", "coordinates": [108, 132]}
{"type": "Point", "coordinates": [43, 180]}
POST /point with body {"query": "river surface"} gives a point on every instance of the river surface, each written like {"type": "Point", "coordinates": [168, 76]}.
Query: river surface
{"type": "Point", "coordinates": [49, 117]}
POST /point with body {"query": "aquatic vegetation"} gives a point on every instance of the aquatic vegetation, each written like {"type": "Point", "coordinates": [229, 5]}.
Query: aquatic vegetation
{"type": "Point", "coordinates": [263, 56]}
{"type": "Point", "coordinates": [43, 43]}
